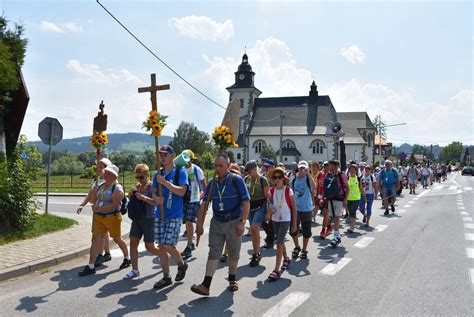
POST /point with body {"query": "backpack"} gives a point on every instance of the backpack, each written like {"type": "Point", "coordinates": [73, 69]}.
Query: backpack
{"type": "Point", "coordinates": [332, 187]}
{"type": "Point", "coordinates": [137, 208]}
{"type": "Point", "coordinates": [287, 195]}
{"type": "Point", "coordinates": [187, 194]}
{"type": "Point", "coordinates": [261, 181]}
{"type": "Point", "coordinates": [307, 183]}
{"type": "Point", "coordinates": [123, 202]}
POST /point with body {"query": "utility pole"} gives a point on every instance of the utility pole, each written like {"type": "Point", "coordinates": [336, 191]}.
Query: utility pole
{"type": "Point", "coordinates": [281, 136]}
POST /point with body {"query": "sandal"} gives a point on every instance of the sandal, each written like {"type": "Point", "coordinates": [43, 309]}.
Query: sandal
{"type": "Point", "coordinates": [163, 283]}
{"type": "Point", "coordinates": [275, 275]}
{"type": "Point", "coordinates": [286, 264]}
{"type": "Point", "coordinates": [200, 289]}
{"type": "Point", "coordinates": [296, 252]}
{"type": "Point", "coordinates": [304, 255]}
{"type": "Point", "coordinates": [131, 274]}
{"type": "Point", "coordinates": [233, 286]}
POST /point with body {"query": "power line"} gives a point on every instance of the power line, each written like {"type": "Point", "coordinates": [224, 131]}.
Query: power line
{"type": "Point", "coordinates": [158, 58]}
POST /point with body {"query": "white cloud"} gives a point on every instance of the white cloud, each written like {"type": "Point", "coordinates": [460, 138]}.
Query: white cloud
{"type": "Point", "coordinates": [94, 73]}
{"type": "Point", "coordinates": [426, 122]}
{"type": "Point", "coordinates": [353, 54]}
{"type": "Point", "coordinates": [203, 28]}
{"type": "Point", "coordinates": [67, 27]}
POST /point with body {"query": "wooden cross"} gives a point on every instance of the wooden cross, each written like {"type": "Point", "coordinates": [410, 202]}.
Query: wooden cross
{"type": "Point", "coordinates": [152, 90]}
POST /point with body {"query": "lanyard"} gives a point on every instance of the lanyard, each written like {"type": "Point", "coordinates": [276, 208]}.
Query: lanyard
{"type": "Point", "coordinates": [279, 201]}
{"type": "Point", "coordinates": [252, 188]}
{"type": "Point", "coordinates": [221, 193]}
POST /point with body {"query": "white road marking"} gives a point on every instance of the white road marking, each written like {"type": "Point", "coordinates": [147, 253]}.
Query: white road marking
{"type": "Point", "coordinates": [472, 276]}
{"type": "Point", "coordinates": [334, 267]}
{"type": "Point", "coordinates": [416, 198]}
{"type": "Point", "coordinates": [438, 187]}
{"type": "Point", "coordinates": [463, 213]}
{"type": "Point", "coordinates": [411, 202]}
{"type": "Point", "coordinates": [467, 188]}
{"type": "Point", "coordinates": [469, 236]}
{"type": "Point", "coordinates": [401, 211]}
{"type": "Point", "coordinates": [453, 187]}
{"type": "Point", "coordinates": [467, 219]}
{"type": "Point", "coordinates": [470, 253]}
{"type": "Point", "coordinates": [461, 208]}
{"type": "Point", "coordinates": [407, 206]}
{"type": "Point", "coordinates": [460, 203]}
{"type": "Point", "coordinates": [381, 228]}
{"type": "Point", "coordinates": [364, 242]}
{"type": "Point", "coordinates": [469, 225]}
{"type": "Point", "coordinates": [286, 306]}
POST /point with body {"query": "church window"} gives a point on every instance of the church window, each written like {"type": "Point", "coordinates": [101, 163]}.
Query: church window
{"type": "Point", "coordinates": [369, 140]}
{"type": "Point", "coordinates": [288, 144]}
{"type": "Point", "coordinates": [259, 145]}
{"type": "Point", "coordinates": [241, 103]}
{"type": "Point", "coordinates": [317, 147]}
{"type": "Point", "coordinates": [239, 156]}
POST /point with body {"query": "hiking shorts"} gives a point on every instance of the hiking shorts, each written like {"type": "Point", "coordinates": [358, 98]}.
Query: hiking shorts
{"type": "Point", "coordinates": [111, 223]}
{"type": "Point", "coordinates": [224, 232]}
{"type": "Point", "coordinates": [389, 191]}
{"type": "Point", "coordinates": [192, 212]}
{"type": "Point", "coordinates": [304, 218]}
{"type": "Point", "coordinates": [167, 231]}
{"type": "Point", "coordinates": [281, 228]}
{"type": "Point", "coordinates": [256, 217]}
{"type": "Point", "coordinates": [335, 208]}
{"type": "Point", "coordinates": [143, 228]}
{"type": "Point", "coordinates": [352, 206]}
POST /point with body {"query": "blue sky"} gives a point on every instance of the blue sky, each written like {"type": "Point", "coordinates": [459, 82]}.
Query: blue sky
{"type": "Point", "coordinates": [409, 62]}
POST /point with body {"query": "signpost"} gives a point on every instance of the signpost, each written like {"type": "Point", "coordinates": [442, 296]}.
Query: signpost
{"type": "Point", "coordinates": [50, 132]}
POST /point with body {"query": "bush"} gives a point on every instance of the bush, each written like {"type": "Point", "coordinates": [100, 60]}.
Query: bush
{"type": "Point", "coordinates": [17, 206]}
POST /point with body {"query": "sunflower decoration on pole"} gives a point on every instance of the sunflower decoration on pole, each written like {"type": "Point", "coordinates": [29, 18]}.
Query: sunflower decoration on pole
{"type": "Point", "coordinates": [99, 139]}
{"type": "Point", "coordinates": [224, 136]}
{"type": "Point", "coordinates": [155, 123]}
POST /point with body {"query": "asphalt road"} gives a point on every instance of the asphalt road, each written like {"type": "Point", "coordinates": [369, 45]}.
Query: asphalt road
{"type": "Point", "coordinates": [419, 261]}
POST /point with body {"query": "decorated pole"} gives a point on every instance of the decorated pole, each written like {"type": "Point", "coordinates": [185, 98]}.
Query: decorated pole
{"type": "Point", "coordinates": [99, 138]}
{"type": "Point", "coordinates": [155, 123]}
{"type": "Point", "coordinates": [224, 136]}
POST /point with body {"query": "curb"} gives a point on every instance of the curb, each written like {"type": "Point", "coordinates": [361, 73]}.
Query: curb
{"type": "Point", "coordinates": [41, 264]}
{"type": "Point", "coordinates": [62, 194]}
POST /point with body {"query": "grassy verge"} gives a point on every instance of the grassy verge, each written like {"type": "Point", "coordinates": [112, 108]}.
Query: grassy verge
{"type": "Point", "coordinates": [43, 224]}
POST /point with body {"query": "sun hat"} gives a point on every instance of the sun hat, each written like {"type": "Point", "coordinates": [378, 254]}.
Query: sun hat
{"type": "Point", "coordinates": [303, 164]}
{"type": "Point", "coordinates": [279, 170]}
{"type": "Point", "coordinates": [105, 161]}
{"type": "Point", "coordinates": [112, 169]}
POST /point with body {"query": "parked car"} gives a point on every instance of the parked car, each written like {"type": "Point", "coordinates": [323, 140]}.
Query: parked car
{"type": "Point", "coordinates": [467, 170]}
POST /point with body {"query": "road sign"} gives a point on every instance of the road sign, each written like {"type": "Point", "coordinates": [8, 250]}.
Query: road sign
{"type": "Point", "coordinates": [50, 131]}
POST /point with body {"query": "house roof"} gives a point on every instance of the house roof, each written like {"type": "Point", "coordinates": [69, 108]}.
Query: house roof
{"type": "Point", "coordinates": [352, 123]}
{"type": "Point", "coordinates": [289, 151]}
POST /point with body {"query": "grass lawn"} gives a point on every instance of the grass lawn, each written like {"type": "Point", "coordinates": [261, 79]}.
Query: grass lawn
{"type": "Point", "coordinates": [43, 224]}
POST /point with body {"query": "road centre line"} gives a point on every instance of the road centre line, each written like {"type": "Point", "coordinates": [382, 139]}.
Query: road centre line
{"type": "Point", "coordinates": [407, 206]}
{"type": "Point", "coordinates": [335, 266]}
{"type": "Point", "coordinates": [469, 236]}
{"type": "Point", "coordinates": [461, 208]}
{"type": "Point", "coordinates": [464, 213]}
{"type": "Point", "coordinates": [438, 187]}
{"type": "Point", "coordinates": [364, 242]}
{"type": "Point", "coordinates": [472, 276]}
{"type": "Point", "coordinates": [470, 253]}
{"type": "Point", "coordinates": [286, 306]}
{"type": "Point", "coordinates": [453, 187]}
{"type": "Point", "coordinates": [467, 188]}
{"type": "Point", "coordinates": [411, 202]}
{"type": "Point", "coordinates": [381, 228]}
{"type": "Point", "coordinates": [469, 225]}
{"type": "Point", "coordinates": [401, 211]}
{"type": "Point", "coordinates": [467, 219]}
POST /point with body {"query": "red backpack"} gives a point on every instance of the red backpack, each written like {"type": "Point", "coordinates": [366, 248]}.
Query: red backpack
{"type": "Point", "coordinates": [287, 195]}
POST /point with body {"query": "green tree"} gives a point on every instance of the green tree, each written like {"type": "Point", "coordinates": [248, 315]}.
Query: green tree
{"type": "Point", "coordinates": [32, 158]}
{"type": "Point", "coordinates": [412, 159]}
{"type": "Point", "coordinates": [149, 158]}
{"type": "Point", "coordinates": [268, 152]}
{"type": "Point", "coordinates": [188, 136]}
{"type": "Point", "coordinates": [126, 162]}
{"type": "Point", "coordinates": [205, 160]}
{"type": "Point", "coordinates": [87, 158]}
{"type": "Point", "coordinates": [451, 153]}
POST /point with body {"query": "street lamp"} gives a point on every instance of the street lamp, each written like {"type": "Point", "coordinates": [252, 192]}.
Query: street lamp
{"type": "Point", "coordinates": [379, 132]}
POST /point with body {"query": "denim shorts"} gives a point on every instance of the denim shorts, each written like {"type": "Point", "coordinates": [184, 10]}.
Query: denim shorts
{"type": "Point", "coordinates": [388, 191]}
{"type": "Point", "coordinates": [167, 231]}
{"type": "Point", "coordinates": [256, 217]}
{"type": "Point", "coordinates": [281, 228]}
{"type": "Point", "coordinates": [143, 228]}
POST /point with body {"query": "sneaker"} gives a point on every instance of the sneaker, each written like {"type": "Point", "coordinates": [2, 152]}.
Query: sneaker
{"type": "Point", "coordinates": [328, 231]}
{"type": "Point", "coordinates": [107, 257]}
{"type": "Point", "coordinates": [87, 271]}
{"type": "Point", "coordinates": [322, 234]}
{"type": "Point", "coordinates": [393, 208]}
{"type": "Point", "coordinates": [193, 247]}
{"type": "Point", "coordinates": [386, 212]}
{"type": "Point", "coordinates": [186, 253]}
{"type": "Point", "coordinates": [255, 259]}
{"type": "Point", "coordinates": [165, 281]}
{"type": "Point", "coordinates": [335, 241]}
{"type": "Point", "coordinates": [224, 258]}
{"type": "Point", "coordinates": [126, 263]}
{"type": "Point", "coordinates": [131, 274]}
{"type": "Point", "coordinates": [350, 230]}
{"type": "Point", "coordinates": [364, 220]}
{"type": "Point", "coordinates": [99, 260]}
{"type": "Point", "coordinates": [181, 272]}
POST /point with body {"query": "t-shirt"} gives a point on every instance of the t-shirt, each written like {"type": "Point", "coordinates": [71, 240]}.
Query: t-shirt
{"type": "Point", "coordinates": [425, 171]}
{"type": "Point", "coordinates": [172, 203]}
{"type": "Point", "coordinates": [226, 195]}
{"type": "Point", "coordinates": [195, 182]}
{"type": "Point", "coordinates": [354, 190]}
{"type": "Point", "coordinates": [412, 173]}
{"type": "Point", "coordinates": [255, 188]}
{"type": "Point", "coordinates": [368, 184]}
{"type": "Point", "coordinates": [282, 211]}
{"type": "Point", "coordinates": [303, 196]}
{"type": "Point", "coordinates": [388, 178]}
{"type": "Point", "coordinates": [104, 195]}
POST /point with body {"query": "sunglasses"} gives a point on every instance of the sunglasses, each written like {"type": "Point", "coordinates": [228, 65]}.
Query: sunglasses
{"type": "Point", "coordinates": [278, 177]}
{"type": "Point", "coordinates": [140, 177]}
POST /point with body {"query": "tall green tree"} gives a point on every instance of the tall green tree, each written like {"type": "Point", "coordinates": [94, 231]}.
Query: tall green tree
{"type": "Point", "coordinates": [188, 136]}
{"type": "Point", "coordinates": [451, 153]}
{"type": "Point", "coordinates": [268, 152]}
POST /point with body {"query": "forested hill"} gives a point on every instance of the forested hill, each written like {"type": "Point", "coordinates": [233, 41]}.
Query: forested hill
{"type": "Point", "coordinates": [118, 142]}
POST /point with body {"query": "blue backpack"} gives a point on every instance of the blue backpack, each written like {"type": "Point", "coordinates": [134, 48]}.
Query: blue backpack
{"type": "Point", "coordinates": [332, 187]}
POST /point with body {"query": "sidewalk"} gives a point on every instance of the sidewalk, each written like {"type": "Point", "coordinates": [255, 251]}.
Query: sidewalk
{"type": "Point", "coordinates": [25, 256]}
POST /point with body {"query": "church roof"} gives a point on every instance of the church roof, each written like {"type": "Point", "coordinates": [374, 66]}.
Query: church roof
{"type": "Point", "coordinates": [289, 151]}
{"type": "Point", "coordinates": [352, 123]}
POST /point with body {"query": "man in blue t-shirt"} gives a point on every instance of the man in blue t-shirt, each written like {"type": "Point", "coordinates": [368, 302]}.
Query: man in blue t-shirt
{"type": "Point", "coordinates": [388, 181]}
{"type": "Point", "coordinates": [167, 229]}
{"type": "Point", "coordinates": [230, 207]}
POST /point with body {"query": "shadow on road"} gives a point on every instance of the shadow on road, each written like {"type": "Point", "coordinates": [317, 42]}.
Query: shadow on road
{"type": "Point", "coordinates": [30, 303]}
{"type": "Point", "coordinates": [248, 271]}
{"type": "Point", "coordinates": [329, 253]}
{"type": "Point", "coordinates": [210, 306]}
{"type": "Point", "coordinates": [123, 286]}
{"type": "Point", "coordinates": [299, 267]}
{"type": "Point", "coordinates": [267, 289]}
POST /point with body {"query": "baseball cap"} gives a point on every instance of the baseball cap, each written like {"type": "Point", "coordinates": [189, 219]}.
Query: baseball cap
{"type": "Point", "coordinates": [269, 162]}
{"type": "Point", "coordinates": [250, 166]}
{"type": "Point", "coordinates": [167, 149]}
{"type": "Point", "coordinates": [303, 164]}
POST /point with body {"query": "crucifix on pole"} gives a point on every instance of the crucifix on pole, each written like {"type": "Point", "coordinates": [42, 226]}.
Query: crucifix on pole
{"type": "Point", "coordinates": [152, 89]}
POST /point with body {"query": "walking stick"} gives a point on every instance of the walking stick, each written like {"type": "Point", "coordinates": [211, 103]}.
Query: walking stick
{"type": "Point", "coordinates": [206, 206]}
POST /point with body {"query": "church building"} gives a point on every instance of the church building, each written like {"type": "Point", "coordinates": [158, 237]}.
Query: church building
{"type": "Point", "coordinates": [300, 124]}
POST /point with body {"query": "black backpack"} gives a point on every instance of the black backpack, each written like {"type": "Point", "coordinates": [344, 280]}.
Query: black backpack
{"type": "Point", "coordinates": [136, 208]}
